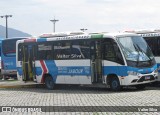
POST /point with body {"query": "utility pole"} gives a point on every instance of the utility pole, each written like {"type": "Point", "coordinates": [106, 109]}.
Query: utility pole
{"type": "Point", "coordinates": [54, 22]}
{"type": "Point", "coordinates": [6, 16]}
{"type": "Point", "coordinates": [83, 29]}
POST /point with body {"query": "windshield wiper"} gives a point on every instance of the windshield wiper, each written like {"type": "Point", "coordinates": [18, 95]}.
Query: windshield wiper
{"type": "Point", "coordinates": [144, 53]}
{"type": "Point", "coordinates": [137, 49]}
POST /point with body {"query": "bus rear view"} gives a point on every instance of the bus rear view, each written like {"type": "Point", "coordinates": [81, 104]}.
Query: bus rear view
{"type": "Point", "coordinates": [8, 58]}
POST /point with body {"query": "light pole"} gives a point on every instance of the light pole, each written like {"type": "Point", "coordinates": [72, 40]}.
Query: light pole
{"type": "Point", "coordinates": [54, 21]}
{"type": "Point", "coordinates": [83, 29]}
{"type": "Point", "coordinates": [6, 16]}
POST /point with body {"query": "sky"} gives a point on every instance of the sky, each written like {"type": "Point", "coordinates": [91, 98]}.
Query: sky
{"type": "Point", "coordinates": [33, 16]}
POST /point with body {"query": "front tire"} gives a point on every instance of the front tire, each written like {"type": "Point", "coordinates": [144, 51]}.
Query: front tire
{"type": "Point", "coordinates": [49, 83]}
{"type": "Point", "coordinates": [114, 84]}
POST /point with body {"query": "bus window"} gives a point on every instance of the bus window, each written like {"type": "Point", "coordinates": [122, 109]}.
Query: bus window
{"type": "Point", "coordinates": [80, 50]}
{"type": "Point", "coordinates": [112, 52]}
{"type": "Point", "coordinates": [45, 51]}
{"type": "Point", "coordinates": [153, 43]}
{"type": "Point", "coordinates": [8, 54]}
{"type": "Point", "coordinates": [9, 47]}
{"type": "Point", "coordinates": [119, 58]}
{"type": "Point", "coordinates": [20, 52]}
{"type": "Point", "coordinates": [109, 53]}
{"type": "Point", "coordinates": [62, 50]}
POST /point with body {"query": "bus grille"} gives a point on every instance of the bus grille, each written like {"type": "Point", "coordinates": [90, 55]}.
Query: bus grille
{"type": "Point", "coordinates": [143, 78]}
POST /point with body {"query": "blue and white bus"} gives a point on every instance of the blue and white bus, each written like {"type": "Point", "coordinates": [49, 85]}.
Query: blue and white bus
{"type": "Point", "coordinates": [152, 37]}
{"type": "Point", "coordinates": [114, 60]}
{"type": "Point", "coordinates": [8, 57]}
{"type": "Point", "coordinates": [0, 52]}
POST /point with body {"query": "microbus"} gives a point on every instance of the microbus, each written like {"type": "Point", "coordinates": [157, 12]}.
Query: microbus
{"type": "Point", "coordinates": [111, 60]}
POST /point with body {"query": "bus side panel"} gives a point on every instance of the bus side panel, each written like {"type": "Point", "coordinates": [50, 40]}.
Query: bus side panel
{"type": "Point", "coordinates": [114, 68]}
{"type": "Point", "coordinates": [39, 71]}
{"type": "Point", "coordinates": [74, 71]}
{"type": "Point", "coordinates": [9, 66]}
{"type": "Point", "coordinates": [64, 71]}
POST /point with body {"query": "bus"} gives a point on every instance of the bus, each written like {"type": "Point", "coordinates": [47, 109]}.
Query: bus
{"type": "Point", "coordinates": [0, 54]}
{"type": "Point", "coordinates": [8, 57]}
{"type": "Point", "coordinates": [111, 60]}
{"type": "Point", "coordinates": [152, 37]}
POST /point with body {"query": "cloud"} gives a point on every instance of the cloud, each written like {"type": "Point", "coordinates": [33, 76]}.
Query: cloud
{"type": "Point", "coordinates": [33, 16]}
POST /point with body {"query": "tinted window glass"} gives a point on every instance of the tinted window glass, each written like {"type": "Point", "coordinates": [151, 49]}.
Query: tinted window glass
{"type": "Point", "coordinates": [44, 51]}
{"type": "Point", "coordinates": [9, 47]}
{"type": "Point", "coordinates": [62, 50]}
{"type": "Point", "coordinates": [80, 50]}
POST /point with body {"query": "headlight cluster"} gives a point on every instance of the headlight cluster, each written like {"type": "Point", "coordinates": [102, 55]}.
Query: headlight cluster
{"type": "Point", "coordinates": [132, 73]}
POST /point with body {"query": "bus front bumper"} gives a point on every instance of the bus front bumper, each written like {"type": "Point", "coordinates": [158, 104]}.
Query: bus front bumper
{"type": "Point", "coordinates": [139, 79]}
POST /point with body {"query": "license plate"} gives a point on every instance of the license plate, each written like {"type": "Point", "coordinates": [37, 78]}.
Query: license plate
{"type": "Point", "coordinates": [147, 77]}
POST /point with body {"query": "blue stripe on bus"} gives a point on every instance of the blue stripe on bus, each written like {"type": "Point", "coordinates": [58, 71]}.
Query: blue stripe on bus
{"type": "Point", "coordinates": [52, 68]}
{"type": "Point", "coordinates": [143, 70]}
{"type": "Point", "coordinates": [38, 71]}
{"type": "Point", "coordinates": [118, 70]}
{"type": "Point", "coordinates": [122, 70]}
{"type": "Point", "coordinates": [86, 70]}
{"type": "Point", "coordinates": [63, 70]}
{"type": "Point", "coordinates": [41, 40]}
{"type": "Point", "coordinates": [20, 71]}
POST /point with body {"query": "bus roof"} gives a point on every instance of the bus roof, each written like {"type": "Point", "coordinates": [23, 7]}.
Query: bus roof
{"type": "Point", "coordinates": [60, 34]}
{"type": "Point", "coordinates": [119, 34]}
{"type": "Point", "coordinates": [77, 35]}
{"type": "Point", "coordinates": [93, 35]}
{"type": "Point", "coordinates": [146, 33]}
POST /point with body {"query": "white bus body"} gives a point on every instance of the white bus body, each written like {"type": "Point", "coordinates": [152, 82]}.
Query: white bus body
{"type": "Point", "coordinates": [115, 60]}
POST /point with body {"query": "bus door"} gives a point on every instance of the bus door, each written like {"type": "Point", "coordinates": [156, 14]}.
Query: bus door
{"type": "Point", "coordinates": [28, 63]}
{"type": "Point", "coordinates": [96, 62]}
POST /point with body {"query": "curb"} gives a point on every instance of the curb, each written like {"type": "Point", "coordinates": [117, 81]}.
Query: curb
{"type": "Point", "coordinates": [19, 86]}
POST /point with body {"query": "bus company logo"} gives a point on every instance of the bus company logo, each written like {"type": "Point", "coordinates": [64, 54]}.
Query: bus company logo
{"type": "Point", "coordinates": [6, 109]}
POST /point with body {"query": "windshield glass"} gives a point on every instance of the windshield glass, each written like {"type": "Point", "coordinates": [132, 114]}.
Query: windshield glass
{"type": "Point", "coordinates": [9, 47]}
{"type": "Point", "coordinates": [135, 48]}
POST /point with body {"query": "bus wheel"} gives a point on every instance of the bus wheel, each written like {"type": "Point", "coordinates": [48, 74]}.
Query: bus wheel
{"type": "Point", "coordinates": [49, 83]}
{"type": "Point", "coordinates": [140, 87]}
{"type": "Point", "coordinates": [114, 84]}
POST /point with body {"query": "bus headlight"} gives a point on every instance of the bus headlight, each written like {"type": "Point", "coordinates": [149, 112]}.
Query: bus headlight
{"type": "Point", "coordinates": [132, 73]}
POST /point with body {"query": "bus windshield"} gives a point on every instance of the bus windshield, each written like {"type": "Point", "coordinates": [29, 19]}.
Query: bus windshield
{"type": "Point", "coordinates": [135, 49]}
{"type": "Point", "coordinates": [9, 47]}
